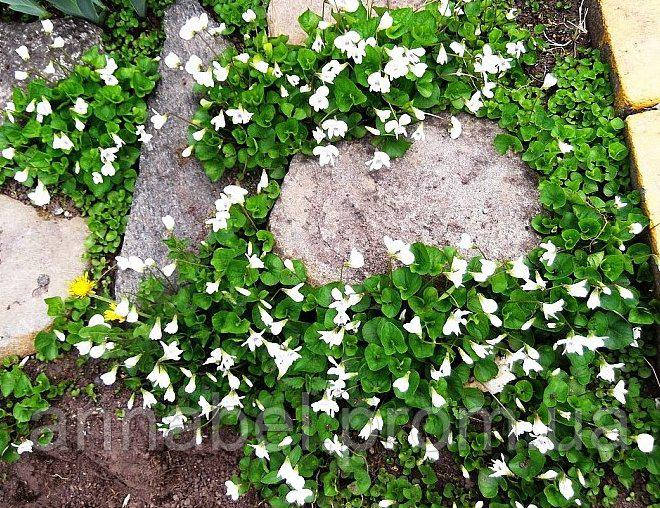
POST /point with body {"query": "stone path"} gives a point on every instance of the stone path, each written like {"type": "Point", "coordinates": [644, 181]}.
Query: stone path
{"type": "Point", "coordinates": [77, 35]}
{"type": "Point", "coordinates": [39, 256]}
{"type": "Point", "coordinates": [629, 32]}
{"type": "Point", "coordinates": [440, 189]}
{"type": "Point", "coordinates": [169, 184]}
{"type": "Point", "coordinates": [283, 14]}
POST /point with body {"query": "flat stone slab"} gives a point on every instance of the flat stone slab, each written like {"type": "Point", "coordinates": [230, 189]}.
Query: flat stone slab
{"type": "Point", "coordinates": [282, 15]}
{"type": "Point", "coordinates": [629, 32]}
{"type": "Point", "coordinates": [643, 133]}
{"type": "Point", "coordinates": [78, 37]}
{"type": "Point", "coordinates": [39, 257]}
{"type": "Point", "coordinates": [438, 190]}
{"type": "Point", "coordinates": [169, 184]}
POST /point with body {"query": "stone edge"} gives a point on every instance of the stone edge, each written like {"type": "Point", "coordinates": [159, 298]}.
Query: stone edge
{"type": "Point", "coordinates": [642, 172]}
{"type": "Point", "coordinates": [623, 101]}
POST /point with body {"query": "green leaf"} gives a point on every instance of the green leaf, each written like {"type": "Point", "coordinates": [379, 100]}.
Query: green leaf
{"type": "Point", "coordinates": [375, 356]}
{"type": "Point", "coordinates": [85, 9]}
{"type": "Point", "coordinates": [347, 94]}
{"type": "Point", "coordinates": [504, 142]}
{"type": "Point", "coordinates": [485, 370]}
{"type": "Point", "coordinates": [26, 7]}
{"type": "Point", "coordinates": [487, 486]}
{"type": "Point", "coordinates": [309, 20]}
{"type": "Point", "coordinates": [473, 399]}
{"type": "Point", "coordinates": [391, 337]}
{"type": "Point", "coordinates": [607, 324]}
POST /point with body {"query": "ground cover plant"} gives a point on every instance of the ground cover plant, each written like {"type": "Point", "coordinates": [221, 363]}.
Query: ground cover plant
{"type": "Point", "coordinates": [533, 373]}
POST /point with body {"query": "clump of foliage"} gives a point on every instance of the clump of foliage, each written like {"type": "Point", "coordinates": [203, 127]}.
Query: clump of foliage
{"type": "Point", "coordinates": [96, 108]}
{"type": "Point", "coordinates": [230, 12]}
{"type": "Point", "coordinates": [91, 10]}
{"type": "Point", "coordinates": [132, 35]}
{"type": "Point", "coordinates": [22, 398]}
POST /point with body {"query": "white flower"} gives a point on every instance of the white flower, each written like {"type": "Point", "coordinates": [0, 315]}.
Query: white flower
{"type": "Point", "coordinates": [239, 115]}
{"type": "Point", "coordinates": [326, 405]}
{"type": "Point", "coordinates": [294, 293]}
{"type": "Point", "coordinates": [437, 400]}
{"type": "Point", "coordinates": [619, 391]}
{"type": "Point", "coordinates": [442, 57]}
{"type": "Point", "coordinates": [414, 326]}
{"type": "Point", "coordinates": [550, 474]}
{"type": "Point", "coordinates": [327, 154]}
{"type": "Point", "coordinates": [110, 377]}
{"type": "Point", "coordinates": [131, 362]}
{"type": "Point", "coordinates": [158, 120]}
{"type": "Point", "coordinates": [549, 81]}
{"type": "Point", "coordinates": [62, 142]}
{"type": "Point", "coordinates": [550, 310]}
{"type": "Point", "coordinates": [249, 16]}
{"type": "Point", "coordinates": [520, 427]}
{"type": "Point", "coordinates": [335, 128]}
{"type": "Point", "coordinates": [378, 82]}
{"type": "Point", "coordinates": [379, 160]}
{"type": "Point", "coordinates": [24, 447]}
{"type": "Point", "coordinates": [419, 135]}
{"type": "Point", "coordinates": [346, 5]}
{"type": "Point", "coordinates": [413, 437]}
{"type": "Point", "coordinates": [444, 9]}
{"type": "Point", "coordinates": [564, 147]}
{"type": "Point", "coordinates": [332, 338]}
{"type": "Point", "coordinates": [319, 99]}
{"type": "Point", "coordinates": [475, 103]}
{"type": "Point", "coordinates": [168, 222]}
{"type": "Point", "coordinates": [457, 48]}
{"type": "Point", "coordinates": [398, 126]}
{"type": "Point", "coordinates": [171, 351]}
{"type": "Point", "coordinates": [566, 487]}
{"type": "Point", "coordinates": [299, 496]}
{"type": "Point", "coordinates": [47, 26]}
{"type": "Point", "coordinates": [606, 371]}
{"type": "Point", "coordinates": [550, 252]}
{"type": "Point", "coordinates": [543, 443]}
{"type": "Point", "coordinates": [8, 153]}
{"type": "Point", "coordinates": [644, 442]}
{"type": "Point", "coordinates": [173, 61]}
{"type": "Point", "coordinates": [487, 269]}
{"type": "Point", "coordinates": [331, 70]}
{"type": "Point", "coordinates": [500, 468]}
{"type": "Point", "coordinates": [260, 451]}
{"type": "Point", "coordinates": [40, 195]}
{"type": "Point", "coordinates": [386, 21]}
{"type": "Point", "coordinates": [355, 259]}
{"type": "Point", "coordinates": [58, 42]}
{"type": "Point", "coordinates": [334, 445]}
{"type": "Point", "coordinates": [455, 319]}
{"type": "Point", "coordinates": [456, 128]}
{"type": "Point", "coordinates": [515, 49]}
{"type": "Point", "coordinates": [399, 250]}
{"type": "Point", "coordinates": [231, 401]}
{"type": "Point", "coordinates": [578, 290]}
{"type": "Point", "coordinates": [232, 490]}
{"type": "Point", "coordinates": [619, 203]}
{"type": "Point", "coordinates": [23, 52]}
{"type": "Point", "coordinates": [352, 44]}
{"type": "Point", "coordinates": [635, 228]}
{"type": "Point", "coordinates": [402, 384]}
{"type": "Point", "coordinates": [20, 75]}
{"type": "Point", "coordinates": [194, 25]}
{"type": "Point", "coordinates": [431, 453]}
{"type": "Point", "coordinates": [21, 176]}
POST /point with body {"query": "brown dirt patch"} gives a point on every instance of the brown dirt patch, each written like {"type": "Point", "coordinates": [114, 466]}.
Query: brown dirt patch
{"type": "Point", "coordinates": [101, 459]}
{"type": "Point", "coordinates": [59, 206]}
{"type": "Point", "coordinates": [564, 29]}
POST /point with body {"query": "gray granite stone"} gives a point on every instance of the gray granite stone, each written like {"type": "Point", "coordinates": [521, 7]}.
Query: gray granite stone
{"type": "Point", "coordinates": [39, 256]}
{"type": "Point", "coordinates": [440, 189]}
{"type": "Point", "coordinates": [168, 183]}
{"type": "Point", "coordinates": [282, 15]}
{"type": "Point", "coordinates": [78, 37]}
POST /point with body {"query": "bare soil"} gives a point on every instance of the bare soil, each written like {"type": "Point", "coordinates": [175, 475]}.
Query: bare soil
{"type": "Point", "coordinates": [98, 467]}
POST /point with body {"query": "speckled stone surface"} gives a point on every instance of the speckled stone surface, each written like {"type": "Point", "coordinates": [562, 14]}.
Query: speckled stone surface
{"type": "Point", "coordinates": [39, 257]}
{"type": "Point", "coordinates": [440, 189]}
{"type": "Point", "coordinates": [168, 183]}
{"type": "Point", "coordinates": [78, 37]}
{"type": "Point", "coordinates": [283, 14]}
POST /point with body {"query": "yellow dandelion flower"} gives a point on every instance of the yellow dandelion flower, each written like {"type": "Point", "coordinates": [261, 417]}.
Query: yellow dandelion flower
{"type": "Point", "coordinates": [111, 314]}
{"type": "Point", "coordinates": [81, 286]}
